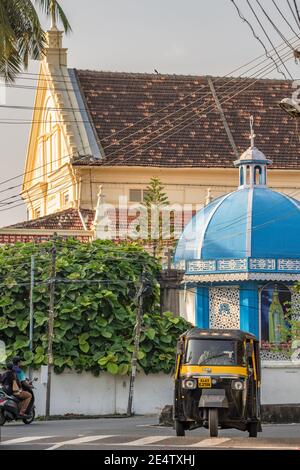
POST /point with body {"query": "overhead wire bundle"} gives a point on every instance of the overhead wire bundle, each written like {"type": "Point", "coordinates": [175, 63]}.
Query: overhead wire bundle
{"type": "Point", "coordinates": [167, 121]}
{"type": "Point", "coordinates": [273, 16]}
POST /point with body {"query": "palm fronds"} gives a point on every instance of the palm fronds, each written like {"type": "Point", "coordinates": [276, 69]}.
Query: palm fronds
{"type": "Point", "coordinates": [21, 34]}
{"type": "Point", "coordinates": [53, 8]}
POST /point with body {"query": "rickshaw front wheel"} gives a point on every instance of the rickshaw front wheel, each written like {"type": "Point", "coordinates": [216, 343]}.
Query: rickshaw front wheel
{"type": "Point", "coordinates": [213, 422]}
{"type": "Point", "coordinates": [179, 428]}
{"type": "Point", "coordinates": [253, 429]}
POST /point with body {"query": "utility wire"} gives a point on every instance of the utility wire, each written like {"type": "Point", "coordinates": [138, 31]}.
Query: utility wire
{"type": "Point", "coordinates": [22, 174]}
{"type": "Point", "coordinates": [233, 234]}
{"type": "Point", "coordinates": [273, 24]}
{"type": "Point", "coordinates": [188, 120]}
{"type": "Point", "coordinates": [243, 18]}
{"type": "Point", "coordinates": [297, 10]}
{"type": "Point", "coordinates": [164, 118]}
{"type": "Point", "coordinates": [171, 104]}
{"type": "Point", "coordinates": [65, 188]}
{"type": "Point", "coordinates": [267, 36]}
{"type": "Point", "coordinates": [193, 117]}
{"type": "Point", "coordinates": [155, 143]}
{"type": "Point", "coordinates": [284, 18]}
{"type": "Point", "coordinates": [47, 164]}
{"type": "Point", "coordinates": [293, 13]}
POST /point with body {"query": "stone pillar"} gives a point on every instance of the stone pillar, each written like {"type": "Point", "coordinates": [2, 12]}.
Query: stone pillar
{"type": "Point", "coordinates": [170, 280]}
{"type": "Point", "coordinates": [56, 55]}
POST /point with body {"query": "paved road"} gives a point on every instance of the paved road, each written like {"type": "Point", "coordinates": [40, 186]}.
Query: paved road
{"type": "Point", "coordinates": [138, 433]}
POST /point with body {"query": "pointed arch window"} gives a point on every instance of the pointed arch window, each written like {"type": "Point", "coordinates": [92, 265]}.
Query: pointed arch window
{"type": "Point", "coordinates": [52, 141]}
{"type": "Point", "coordinates": [39, 166]}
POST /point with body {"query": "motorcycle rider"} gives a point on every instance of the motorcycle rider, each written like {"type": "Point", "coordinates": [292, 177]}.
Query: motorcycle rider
{"type": "Point", "coordinates": [7, 379]}
{"type": "Point", "coordinates": [13, 387]}
{"type": "Point", "coordinates": [17, 367]}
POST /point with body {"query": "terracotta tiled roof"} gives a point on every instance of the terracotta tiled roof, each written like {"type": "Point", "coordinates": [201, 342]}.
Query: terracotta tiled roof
{"type": "Point", "coordinates": [42, 229]}
{"type": "Point", "coordinates": [119, 100]}
{"type": "Point", "coordinates": [68, 219]}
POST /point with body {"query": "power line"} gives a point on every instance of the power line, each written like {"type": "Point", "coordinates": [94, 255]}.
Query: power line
{"type": "Point", "coordinates": [273, 24]}
{"type": "Point", "coordinates": [244, 19]}
{"type": "Point", "coordinates": [233, 79]}
{"type": "Point", "coordinates": [35, 169]}
{"type": "Point", "coordinates": [234, 234]}
{"type": "Point", "coordinates": [47, 164]}
{"type": "Point", "coordinates": [297, 10]}
{"type": "Point", "coordinates": [126, 128]}
{"type": "Point", "coordinates": [170, 130]}
{"type": "Point", "coordinates": [139, 146]}
{"type": "Point", "coordinates": [267, 36]}
{"type": "Point", "coordinates": [3, 182]}
{"type": "Point", "coordinates": [284, 18]}
{"type": "Point", "coordinates": [151, 140]}
{"type": "Point", "coordinates": [163, 118]}
{"type": "Point", "coordinates": [293, 13]}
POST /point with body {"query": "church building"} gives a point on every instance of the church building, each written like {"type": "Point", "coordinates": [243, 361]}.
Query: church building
{"type": "Point", "coordinates": [118, 130]}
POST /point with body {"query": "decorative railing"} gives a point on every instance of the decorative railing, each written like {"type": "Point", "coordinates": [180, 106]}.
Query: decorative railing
{"type": "Point", "coordinates": [230, 265]}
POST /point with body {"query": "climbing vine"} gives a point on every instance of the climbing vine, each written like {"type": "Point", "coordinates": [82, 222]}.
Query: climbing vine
{"type": "Point", "coordinates": [95, 307]}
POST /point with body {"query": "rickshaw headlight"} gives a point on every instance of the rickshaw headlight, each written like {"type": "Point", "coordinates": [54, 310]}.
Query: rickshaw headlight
{"type": "Point", "coordinates": [190, 384]}
{"type": "Point", "coordinates": [238, 385]}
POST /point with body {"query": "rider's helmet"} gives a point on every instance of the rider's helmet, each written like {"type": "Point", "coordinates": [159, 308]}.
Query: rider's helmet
{"type": "Point", "coordinates": [16, 360]}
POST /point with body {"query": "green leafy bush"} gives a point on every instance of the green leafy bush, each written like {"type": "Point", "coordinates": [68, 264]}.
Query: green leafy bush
{"type": "Point", "coordinates": [95, 307]}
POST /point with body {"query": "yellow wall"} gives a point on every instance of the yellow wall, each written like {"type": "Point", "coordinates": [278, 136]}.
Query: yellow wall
{"type": "Point", "coordinates": [183, 186]}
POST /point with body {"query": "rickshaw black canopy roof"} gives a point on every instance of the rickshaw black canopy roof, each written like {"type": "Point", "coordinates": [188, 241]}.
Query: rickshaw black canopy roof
{"type": "Point", "coordinates": [199, 333]}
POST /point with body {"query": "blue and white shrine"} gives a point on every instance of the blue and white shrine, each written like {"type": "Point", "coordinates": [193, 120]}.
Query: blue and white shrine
{"type": "Point", "coordinates": [241, 256]}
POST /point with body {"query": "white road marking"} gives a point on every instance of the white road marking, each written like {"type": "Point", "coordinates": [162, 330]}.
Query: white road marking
{"type": "Point", "coordinates": [274, 447]}
{"type": "Point", "coordinates": [79, 440]}
{"type": "Point", "coordinates": [21, 440]}
{"type": "Point", "coordinates": [143, 441]}
{"type": "Point", "coordinates": [154, 440]}
{"type": "Point", "coordinates": [212, 442]}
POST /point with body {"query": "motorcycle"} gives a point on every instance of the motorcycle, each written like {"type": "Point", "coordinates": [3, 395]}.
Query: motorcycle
{"type": "Point", "coordinates": [9, 407]}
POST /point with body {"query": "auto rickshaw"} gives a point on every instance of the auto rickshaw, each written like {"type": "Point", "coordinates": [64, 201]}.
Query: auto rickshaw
{"type": "Point", "coordinates": [217, 382]}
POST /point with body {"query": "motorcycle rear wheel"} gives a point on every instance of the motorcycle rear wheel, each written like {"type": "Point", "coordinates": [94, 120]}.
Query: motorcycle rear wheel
{"type": "Point", "coordinates": [2, 418]}
{"type": "Point", "coordinates": [31, 417]}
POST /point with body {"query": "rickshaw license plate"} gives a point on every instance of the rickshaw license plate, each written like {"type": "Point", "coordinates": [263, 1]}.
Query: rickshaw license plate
{"type": "Point", "coordinates": [204, 382]}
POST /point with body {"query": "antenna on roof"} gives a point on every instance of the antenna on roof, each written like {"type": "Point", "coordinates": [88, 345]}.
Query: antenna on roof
{"type": "Point", "coordinates": [252, 134]}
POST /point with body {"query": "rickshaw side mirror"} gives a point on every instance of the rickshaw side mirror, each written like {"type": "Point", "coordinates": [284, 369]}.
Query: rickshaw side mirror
{"type": "Point", "coordinates": [180, 347]}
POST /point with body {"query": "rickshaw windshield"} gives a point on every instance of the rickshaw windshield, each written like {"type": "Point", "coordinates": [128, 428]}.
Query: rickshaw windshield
{"type": "Point", "coordinates": [212, 352]}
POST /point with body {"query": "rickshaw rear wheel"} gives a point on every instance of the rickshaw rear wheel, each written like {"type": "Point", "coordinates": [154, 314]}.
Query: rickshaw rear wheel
{"type": "Point", "coordinates": [253, 429]}
{"type": "Point", "coordinates": [179, 428]}
{"type": "Point", "coordinates": [213, 422]}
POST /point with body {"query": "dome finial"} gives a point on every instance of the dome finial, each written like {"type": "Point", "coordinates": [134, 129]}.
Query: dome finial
{"type": "Point", "coordinates": [252, 134]}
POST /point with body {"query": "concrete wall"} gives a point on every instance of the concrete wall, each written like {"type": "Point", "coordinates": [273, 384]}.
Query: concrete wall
{"type": "Point", "coordinates": [281, 385]}
{"type": "Point", "coordinates": [107, 394]}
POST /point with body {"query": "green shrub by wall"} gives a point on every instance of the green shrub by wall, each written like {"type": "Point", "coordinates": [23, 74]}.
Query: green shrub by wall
{"type": "Point", "coordinates": [94, 307]}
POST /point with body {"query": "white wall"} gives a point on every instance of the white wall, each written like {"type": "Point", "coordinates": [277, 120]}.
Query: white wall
{"type": "Point", "coordinates": [107, 394]}
{"type": "Point", "coordinates": [281, 385]}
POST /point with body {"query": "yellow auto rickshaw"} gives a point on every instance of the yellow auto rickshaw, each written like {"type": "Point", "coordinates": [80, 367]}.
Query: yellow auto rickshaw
{"type": "Point", "coordinates": [217, 382]}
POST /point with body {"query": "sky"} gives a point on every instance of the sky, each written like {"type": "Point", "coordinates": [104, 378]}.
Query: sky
{"type": "Point", "coordinates": [172, 36]}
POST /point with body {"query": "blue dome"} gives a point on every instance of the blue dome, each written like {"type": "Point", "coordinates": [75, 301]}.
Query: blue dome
{"type": "Point", "coordinates": [252, 222]}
